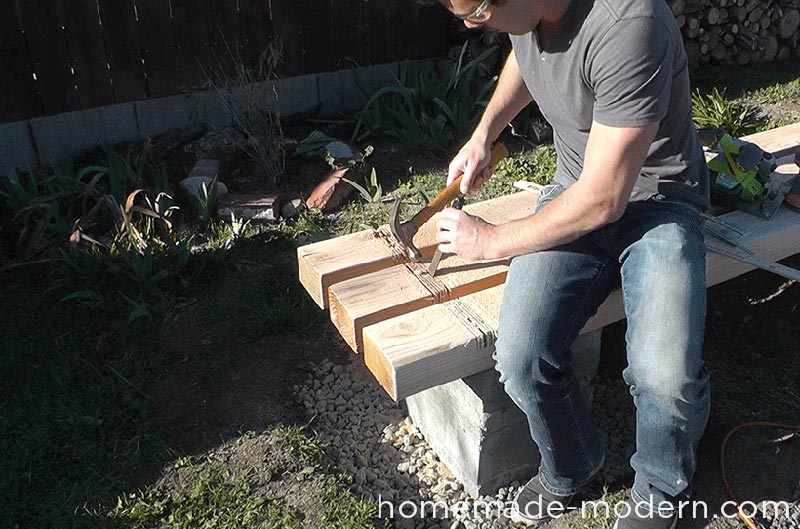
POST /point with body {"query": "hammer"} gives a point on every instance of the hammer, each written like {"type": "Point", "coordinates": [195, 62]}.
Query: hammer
{"type": "Point", "coordinates": [404, 232]}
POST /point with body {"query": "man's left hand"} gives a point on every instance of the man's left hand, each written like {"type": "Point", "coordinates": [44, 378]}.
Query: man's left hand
{"type": "Point", "coordinates": [463, 234]}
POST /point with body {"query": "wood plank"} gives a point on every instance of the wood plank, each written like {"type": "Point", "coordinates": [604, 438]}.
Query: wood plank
{"type": "Point", "coordinates": [158, 48]}
{"type": "Point", "coordinates": [377, 26]}
{"type": "Point", "coordinates": [224, 37]}
{"type": "Point", "coordinates": [20, 99]}
{"type": "Point", "coordinates": [432, 346]}
{"type": "Point", "coordinates": [87, 51]}
{"type": "Point", "coordinates": [429, 19]}
{"type": "Point", "coordinates": [329, 262]}
{"type": "Point", "coordinates": [371, 298]}
{"type": "Point", "coordinates": [121, 36]}
{"type": "Point", "coordinates": [348, 29]}
{"type": "Point", "coordinates": [780, 142]}
{"type": "Point", "coordinates": [401, 31]}
{"type": "Point", "coordinates": [49, 55]}
{"type": "Point", "coordinates": [287, 26]}
{"type": "Point", "coordinates": [190, 23]}
{"type": "Point", "coordinates": [318, 36]}
{"type": "Point", "coordinates": [256, 27]}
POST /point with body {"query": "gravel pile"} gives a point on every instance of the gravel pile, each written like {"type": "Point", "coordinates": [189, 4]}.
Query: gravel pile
{"type": "Point", "coordinates": [373, 441]}
{"type": "Point", "coordinates": [783, 519]}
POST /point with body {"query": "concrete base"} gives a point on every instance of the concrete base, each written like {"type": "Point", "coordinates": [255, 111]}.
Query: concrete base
{"type": "Point", "coordinates": [477, 430]}
{"type": "Point", "coordinates": [37, 142]}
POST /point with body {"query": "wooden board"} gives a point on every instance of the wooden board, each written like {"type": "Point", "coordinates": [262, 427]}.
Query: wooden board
{"type": "Point", "coordinates": [371, 298]}
{"type": "Point", "coordinates": [49, 55]}
{"type": "Point", "coordinates": [433, 346]}
{"type": "Point", "coordinates": [287, 26]}
{"type": "Point", "coordinates": [318, 35]}
{"type": "Point", "coordinates": [190, 23]}
{"type": "Point", "coordinates": [157, 41]}
{"type": "Point", "coordinates": [87, 52]}
{"type": "Point", "coordinates": [780, 142]}
{"type": "Point", "coordinates": [329, 262]}
{"type": "Point", "coordinates": [121, 35]}
{"type": "Point", "coordinates": [20, 99]}
{"type": "Point", "coordinates": [377, 23]}
{"type": "Point", "coordinates": [225, 37]}
{"type": "Point", "coordinates": [256, 26]}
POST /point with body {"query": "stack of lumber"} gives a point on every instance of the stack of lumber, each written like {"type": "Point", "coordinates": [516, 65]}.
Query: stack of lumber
{"type": "Point", "coordinates": [415, 332]}
{"type": "Point", "coordinates": [738, 31]}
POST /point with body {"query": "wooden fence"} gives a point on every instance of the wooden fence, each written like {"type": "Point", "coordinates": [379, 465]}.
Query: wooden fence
{"type": "Point", "coordinates": [64, 55]}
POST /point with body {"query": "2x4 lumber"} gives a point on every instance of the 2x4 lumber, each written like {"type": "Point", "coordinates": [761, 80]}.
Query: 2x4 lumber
{"type": "Point", "coordinates": [332, 261]}
{"type": "Point", "coordinates": [779, 142]}
{"type": "Point", "coordinates": [432, 346]}
{"type": "Point", "coordinates": [370, 298]}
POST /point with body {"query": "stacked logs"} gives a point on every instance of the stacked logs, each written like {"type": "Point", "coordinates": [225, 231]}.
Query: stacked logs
{"type": "Point", "coordinates": [738, 31]}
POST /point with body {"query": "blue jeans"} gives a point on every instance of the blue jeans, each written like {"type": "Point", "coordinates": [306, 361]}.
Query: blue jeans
{"type": "Point", "coordinates": [657, 250]}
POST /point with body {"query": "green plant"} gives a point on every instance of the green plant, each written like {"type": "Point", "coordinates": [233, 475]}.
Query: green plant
{"type": "Point", "coordinates": [713, 111]}
{"type": "Point", "coordinates": [425, 108]}
{"type": "Point", "coordinates": [373, 192]}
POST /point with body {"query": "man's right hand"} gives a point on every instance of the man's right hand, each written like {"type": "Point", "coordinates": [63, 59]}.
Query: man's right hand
{"type": "Point", "coordinates": [472, 160]}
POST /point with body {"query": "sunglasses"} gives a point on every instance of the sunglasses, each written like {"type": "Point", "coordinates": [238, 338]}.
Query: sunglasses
{"type": "Point", "coordinates": [477, 16]}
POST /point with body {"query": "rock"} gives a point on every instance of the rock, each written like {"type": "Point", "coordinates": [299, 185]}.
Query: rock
{"type": "Point", "coordinates": [256, 208]}
{"type": "Point", "coordinates": [193, 186]}
{"type": "Point", "coordinates": [206, 167]}
{"type": "Point", "coordinates": [292, 209]}
{"type": "Point", "coordinates": [340, 151]}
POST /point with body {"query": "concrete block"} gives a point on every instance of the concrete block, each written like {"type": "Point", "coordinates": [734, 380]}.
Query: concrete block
{"type": "Point", "coordinates": [478, 431]}
{"type": "Point", "coordinates": [63, 136]}
{"type": "Point", "coordinates": [118, 123]}
{"type": "Point", "coordinates": [358, 84]}
{"type": "Point", "coordinates": [330, 93]}
{"type": "Point", "coordinates": [297, 94]}
{"type": "Point", "coordinates": [157, 116]}
{"type": "Point", "coordinates": [16, 147]}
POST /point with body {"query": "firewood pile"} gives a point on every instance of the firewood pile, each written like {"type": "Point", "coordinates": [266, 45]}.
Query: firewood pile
{"type": "Point", "coordinates": [738, 31]}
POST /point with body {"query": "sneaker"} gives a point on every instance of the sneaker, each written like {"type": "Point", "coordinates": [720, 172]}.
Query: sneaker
{"type": "Point", "coordinates": [534, 505]}
{"type": "Point", "coordinates": [642, 518]}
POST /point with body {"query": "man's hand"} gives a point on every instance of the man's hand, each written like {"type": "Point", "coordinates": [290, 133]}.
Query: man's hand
{"type": "Point", "coordinates": [472, 160]}
{"type": "Point", "coordinates": [463, 234]}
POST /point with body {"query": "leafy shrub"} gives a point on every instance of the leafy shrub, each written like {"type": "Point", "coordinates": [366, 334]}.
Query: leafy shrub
{"type": "Point", "coordinates": [426, 108]}
{"type": "Point", "coordinates": [714, 111]}
{"type": "Point", "coordinates": [110, 230]}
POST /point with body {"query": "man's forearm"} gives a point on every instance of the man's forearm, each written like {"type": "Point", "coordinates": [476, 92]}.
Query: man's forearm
{"type": "Point", "coordinates": [509, 98]}
{"type": "Point", "coordinates": [567, 218]}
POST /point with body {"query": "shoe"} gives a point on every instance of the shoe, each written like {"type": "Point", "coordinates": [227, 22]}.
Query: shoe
{"type": "Point", "coordinates": [534, 505]}
{"type": "Point", "coordinates": [642, 518]}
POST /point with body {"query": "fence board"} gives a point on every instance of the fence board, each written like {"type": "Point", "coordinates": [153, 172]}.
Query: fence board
{"type": "Point", "coordinates": [156, 38]}
{"type": "Point", "coordinates": [377, 28]}
{"type": "Point", "coordinates": [20, 99]}
{"type": "Point", "coordinates": [429, 20]}
{"type": "Point", "coordinates": [87, 52]}
{"type": "Point", "coordinates": [287, 16]}
{"type": "Point", "coordinates": [225, 36]}
{"type": "Point", "coordinates": [348, 39]}
{"type": "Point", "coordinates": [256, 26]}
{"type": "Point", "coordinates": [121, 36]}
{"type": "Point", "coordinates": [318, 35]}
{"type": "Point", "coordinates": [49, 57]}
{"type": "Point", "coordinates": [190, 21]}
{"type": "Point", "coordinates": [400, 31]}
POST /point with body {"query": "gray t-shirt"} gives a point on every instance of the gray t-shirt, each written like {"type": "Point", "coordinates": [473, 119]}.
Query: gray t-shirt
{"type": "Point", "coordinates": [620, 63]}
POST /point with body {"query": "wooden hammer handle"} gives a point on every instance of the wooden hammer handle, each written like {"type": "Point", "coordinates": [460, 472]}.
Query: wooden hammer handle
{"type": "Point", "coordinates": [453, 191]}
